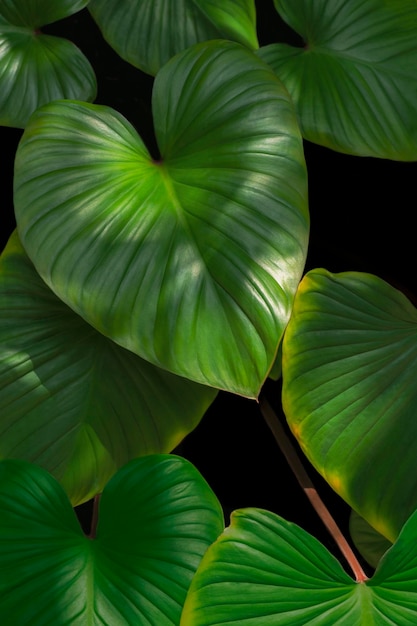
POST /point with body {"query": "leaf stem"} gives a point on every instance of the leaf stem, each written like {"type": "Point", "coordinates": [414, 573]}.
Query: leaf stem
{"type": "Point", "coordinates": [94, 517]}
{"type": "Point", "coordinates": [306, 484]}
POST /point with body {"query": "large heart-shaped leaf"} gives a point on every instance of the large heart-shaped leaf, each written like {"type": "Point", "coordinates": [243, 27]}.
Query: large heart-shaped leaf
{"type": "Point", "coordinates": [264, 571]}
{"type": "Point", "coordinates": [349, 394]}
{"type": "Point", "coordinates": [37, 68]}
{"type": "Point", "coordinates": [147, 33]}
{"type": "Point", "coordinates": [157, 518]}
{"type": "Point", "coordinates": [192, 262]}
{"type": "Point", "coordinates": [354, 83]}
{"type": "Point", "coordinates": [73, 401]}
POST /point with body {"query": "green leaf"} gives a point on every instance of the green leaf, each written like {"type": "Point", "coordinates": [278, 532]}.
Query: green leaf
{"type": "Point", "coordinates": [371, 544]}
{"type": "Point", "coordinates": [353, 84]}
{"type": "Point", "coordinates": [233, 19]}
{"type": "Point", "coordinates": [276, 370]}
{"type": "Point", "coordinates": [73, 401]}
{"type": "Point", "coordinates": [349, 393]}
{"type": "Point", "coordinates": [264, 571]}
{"type": "Point", "coordinates": [157, 518]}
{"type": "Point", "coordinates": [147, 33]}
{"type": "Point", "coordinates": [192, 262]}
{"type": "Point", "coordinates": [35, 13]}
{"type": "Point", "coordinates": [37, 68]}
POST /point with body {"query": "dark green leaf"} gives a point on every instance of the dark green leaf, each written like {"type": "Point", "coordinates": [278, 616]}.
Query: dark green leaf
{"type": "Point", "coordinates": [73, 401]}
{"type": "Point", "coordinates": [148, 33]}
{"type": "Point", "coordinates": [37, 68]}
{"type": "Point", "coordinates": [354, 83]}
{"type": "Point", "coordinates": [35, 13]}
{"type": "Point", "coordinates": [157, 518]}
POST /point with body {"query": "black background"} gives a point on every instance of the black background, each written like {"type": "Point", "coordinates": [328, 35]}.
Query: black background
{"type": "Point", "coordinates": [362, 218]}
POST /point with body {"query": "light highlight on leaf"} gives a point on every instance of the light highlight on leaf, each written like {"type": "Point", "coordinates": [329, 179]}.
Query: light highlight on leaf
{"type": "Point", "coordinates": [191, 262]}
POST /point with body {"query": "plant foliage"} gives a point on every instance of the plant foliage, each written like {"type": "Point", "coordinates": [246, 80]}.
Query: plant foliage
{"type": "Point", "coordinates": [157, 518]}
{"type": "Point", "coordinates": [265, 571]}
{"type": "Point", "coordinates": [141, 280]}
{"type": "Point", "coordinates": [36, 68]}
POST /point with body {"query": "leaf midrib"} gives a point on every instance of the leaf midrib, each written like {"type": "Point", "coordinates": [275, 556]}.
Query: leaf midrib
{"type": "Point", "coordinates": [179, 212]}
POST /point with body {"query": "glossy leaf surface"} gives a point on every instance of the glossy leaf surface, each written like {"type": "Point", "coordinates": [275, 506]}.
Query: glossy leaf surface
{"type": "Point", "coordinates": [192, 262]}
{"type": "Point", "coordinates": [157, 517]}
{"type": "Point", "coordinates": [73, 401]}
{"type": "Point", "coordinates": [147, 33]}
{"type": "Point", "coordinates": [265, 571]}
{"type": "Point", "coordinates": [37, 68]}
{"type": "Point", "coordinates": [349, 394]}
{"type": "Point", "coordinates": [354, 82]}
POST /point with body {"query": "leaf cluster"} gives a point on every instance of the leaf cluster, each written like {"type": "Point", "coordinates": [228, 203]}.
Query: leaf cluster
{"type": "Point", "coordinates": [137, 285]}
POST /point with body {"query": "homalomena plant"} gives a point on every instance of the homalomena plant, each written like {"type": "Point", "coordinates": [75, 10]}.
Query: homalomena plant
{"type": "Point", "coordinates": [157, 518]}
{"type": "Point", "coordinates": [139, 282]}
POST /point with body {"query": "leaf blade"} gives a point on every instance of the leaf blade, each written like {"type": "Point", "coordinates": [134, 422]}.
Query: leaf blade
{"type": "Point", "coordinates": [348, 361]}
{"type": "Point", "coordinates": [264, 571]}
{"type": "Point", "coordinates": [57, 575]}
{"type": "Point", "coordinates": [352, 84]}
{"type": "Point", "coordinates": [71, 400]}
{"type": "Point", "coordinates": [212, 303]}
{"type": "Point", "coordinates": [148, 34]}
{"type": "Point", "coordinates": [36, 69]}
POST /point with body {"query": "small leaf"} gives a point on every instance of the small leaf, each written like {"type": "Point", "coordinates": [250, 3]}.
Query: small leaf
{"type": "Point", "coordinates": [157, 518]}
{"type": "Point", "coordinates": [73, 401]}
{"type": "Point", "coordinates": [35, 13]}
{"type": "Point", "coordinates": [371, 544]}
{"type": "Point", "coordinates": [147, 33]}
{"type": "Point", "coordinates": [349, 392]}
{"type": "Point", "coordinates": [264, 571]}
{"type": "Point", "coordinates": [37, 68]}
{"type": "Point", "coordinates": [353, 84]}
{"type": "Point", "coordinates": [191, 262]}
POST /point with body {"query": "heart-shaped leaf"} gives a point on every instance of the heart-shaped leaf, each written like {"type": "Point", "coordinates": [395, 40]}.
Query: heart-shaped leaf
{"type": "Point", "coordinates": [349, 394]}
{"type": "Point", "coordinates": [37, 68]}
{"type": "Point", "coordinates": [73, 401]}
{"type": "Point", "coordinates": [157, 518]}
{"type": "Point", "coordinates": [354, 83]}
{"type": "Point", "coordinates": [192, 262]}
{"type": "Point", "coordinates": [147, 33]}
{"type": "Point", "coordinates": [264, 571]}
